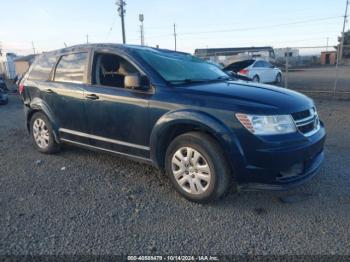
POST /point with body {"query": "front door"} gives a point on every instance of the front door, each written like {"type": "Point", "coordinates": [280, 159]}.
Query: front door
{"type": "Point", "coordinates": [118, 117]}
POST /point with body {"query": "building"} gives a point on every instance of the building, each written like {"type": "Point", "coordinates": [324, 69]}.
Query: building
{"type": "Point", "coordinates": [7, 65]}
{"type": "Point", "coordinates": [328, 57]}
{"type": "Point", "coordinates": [23, 63]}
{"type": "Point", "coordinates": [282, 52]}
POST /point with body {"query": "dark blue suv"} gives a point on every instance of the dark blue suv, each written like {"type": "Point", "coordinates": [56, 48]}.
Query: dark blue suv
{"type": "Point", "coordinates": [207, 130]}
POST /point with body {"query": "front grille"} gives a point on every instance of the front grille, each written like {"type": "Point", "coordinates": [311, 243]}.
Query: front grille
{"type": "Point", "coordinates": [307, 121]}
{"type": "Point", "coordinates": [301, 115]}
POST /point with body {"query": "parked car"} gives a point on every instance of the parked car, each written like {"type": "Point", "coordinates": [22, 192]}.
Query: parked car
{"type": "Point", "coordinates": [176, 112]}
{"type": "Point", "coordinates": [258, 70]}
{"type": "Point", "coordinates": [3, 97]}
{"type": "Point", "coordinates": [231, 74]}
{"type": "Point", "coordinates": [2, 83]}
{"type": "Point", "coordinates": [237, 76]}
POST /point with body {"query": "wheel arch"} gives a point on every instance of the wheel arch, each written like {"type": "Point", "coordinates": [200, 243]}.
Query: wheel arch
{"type": "Point", "coordinates": [177, 123]}
{"type": "Point", "coordinates": [38, 105]}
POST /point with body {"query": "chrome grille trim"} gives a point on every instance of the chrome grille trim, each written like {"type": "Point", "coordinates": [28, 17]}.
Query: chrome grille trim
{"type": "Point", "coordinates": [311, 119]}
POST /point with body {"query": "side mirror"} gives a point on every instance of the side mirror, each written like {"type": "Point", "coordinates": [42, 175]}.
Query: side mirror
{"type": "Point", "coordinates": [137, 82]}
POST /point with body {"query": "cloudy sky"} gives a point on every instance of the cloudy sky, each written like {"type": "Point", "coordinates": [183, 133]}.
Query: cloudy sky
{"type": "Point", "coordinates": [199, 23]}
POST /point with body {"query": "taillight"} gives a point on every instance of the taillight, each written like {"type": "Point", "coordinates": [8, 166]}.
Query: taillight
{"type": "Point", "coordinates": [21, 88]}
{"type": "Point", "coordinates": [244, 72]}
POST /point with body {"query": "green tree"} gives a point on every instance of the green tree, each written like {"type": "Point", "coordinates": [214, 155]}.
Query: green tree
{"type": "Point", "coordinates": [346, 48]}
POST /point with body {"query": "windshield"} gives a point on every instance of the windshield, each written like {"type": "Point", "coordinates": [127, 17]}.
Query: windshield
{"type": "Point", "coordinates": [179, 67]}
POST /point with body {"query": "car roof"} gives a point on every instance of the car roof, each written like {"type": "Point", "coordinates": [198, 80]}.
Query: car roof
{"type": "Point", "coordinates": [126, 47]}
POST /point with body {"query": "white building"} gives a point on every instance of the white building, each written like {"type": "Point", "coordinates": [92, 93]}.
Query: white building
{"type": "Point", "coordinates": [7, 65]}
{"type": "Point", "coordinates": [281, 52]}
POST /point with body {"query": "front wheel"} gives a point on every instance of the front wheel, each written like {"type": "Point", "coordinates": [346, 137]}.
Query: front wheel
{"type": "Point", "coordinates": [197, 167]}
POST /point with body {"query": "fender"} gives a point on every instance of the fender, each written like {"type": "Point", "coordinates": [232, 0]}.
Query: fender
{"type": "Point", "coordinates": [37, 104]}
{"type": "Point", "coordinates": [226, 137]}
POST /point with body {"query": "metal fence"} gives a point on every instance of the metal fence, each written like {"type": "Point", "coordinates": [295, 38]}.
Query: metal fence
{"type": "Point", "coordinates": [314, 70]}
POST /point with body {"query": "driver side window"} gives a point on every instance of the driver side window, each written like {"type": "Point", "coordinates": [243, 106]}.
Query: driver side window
{"type": "Point", "coordinates": [110, 70]}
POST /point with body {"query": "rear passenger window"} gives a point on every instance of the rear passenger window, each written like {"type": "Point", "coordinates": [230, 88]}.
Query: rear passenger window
{"type": "Point", "coordinates": [42, 67]}
{"type": "Point", "coordinates": [259, 64]}
{"type": "Point", "coordinates": [71, 68]}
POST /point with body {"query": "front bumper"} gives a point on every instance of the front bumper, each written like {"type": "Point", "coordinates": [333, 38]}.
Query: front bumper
{"type": "Point", "coordinates": [285, 167]}
{"type": "Point", "coordinates": [293, 181]}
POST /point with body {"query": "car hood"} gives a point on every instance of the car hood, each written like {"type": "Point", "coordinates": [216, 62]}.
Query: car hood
{"type": "Point", "coordinates": [253, 96]}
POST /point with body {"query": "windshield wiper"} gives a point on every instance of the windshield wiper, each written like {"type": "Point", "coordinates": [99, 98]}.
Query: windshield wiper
{"type": "Point", "coordinates": [223, 78]}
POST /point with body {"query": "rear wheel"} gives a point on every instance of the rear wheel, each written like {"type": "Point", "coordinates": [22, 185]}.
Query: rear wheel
{"type": "Point", "coordinates": [256, 79]}
{"type": "Point", "coordinates": [42, 134]}
{"type": "Point", "coordinates": [197, 167]}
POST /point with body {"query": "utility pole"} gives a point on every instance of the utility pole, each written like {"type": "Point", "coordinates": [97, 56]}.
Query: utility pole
{"type": "Point", "coordinates": [340, 50]}
{"type": "Point", "coordinates": [121, 4]}
{"type": "Point", "coordinates": [87, 39]}
{"type": "Point", "coordinates": [327, 43]}
{"type": "Point", "coordinates": [340, 55]}
{"type": "Point", "coordinates": [287, 53]}
{"type": "Point", "coordinates": [141, 18]}
{"type": "Point", "coordinates": [175, 35]}
{"type": "Point", "coordinates": [33, 47]}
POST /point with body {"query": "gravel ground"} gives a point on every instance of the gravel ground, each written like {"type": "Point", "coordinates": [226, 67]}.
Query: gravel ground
{"type": "Point", "coordinates": [82, 202]}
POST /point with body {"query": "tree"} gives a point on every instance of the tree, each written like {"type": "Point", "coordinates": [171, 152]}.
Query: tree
{"type": "Point", "coordinates": [346, 47]}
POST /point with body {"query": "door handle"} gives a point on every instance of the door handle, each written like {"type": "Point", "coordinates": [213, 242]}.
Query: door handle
{"type": "Point", "coordinates": [92, 96]}
{"type": "Point", "coordinates": [49, 91]}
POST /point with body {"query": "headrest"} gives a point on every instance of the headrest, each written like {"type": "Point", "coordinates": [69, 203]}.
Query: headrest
{"type": "Point", "coordinates": [110, 63]}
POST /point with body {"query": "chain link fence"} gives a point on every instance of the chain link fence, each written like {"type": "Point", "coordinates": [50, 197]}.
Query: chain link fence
{"type": "Point", "coordinates": [313, 70]}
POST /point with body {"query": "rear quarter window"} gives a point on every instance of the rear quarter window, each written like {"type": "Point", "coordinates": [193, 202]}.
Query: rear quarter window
{"type": "Point", "coordinates": [42, 67]}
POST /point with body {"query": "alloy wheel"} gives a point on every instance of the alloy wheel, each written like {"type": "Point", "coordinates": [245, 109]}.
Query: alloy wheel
{"type": "Point", "coordinates": [41, 133]}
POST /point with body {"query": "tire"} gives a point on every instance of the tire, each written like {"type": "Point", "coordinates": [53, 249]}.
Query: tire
{"type": "Point", "coordinates": [206, 179]}
{"type": "Point", "coordinates": [256, 79]}
{"type": "Point", "coordinates": [278, 78]}
{"type": "Point", "coordinates": [42, 134]}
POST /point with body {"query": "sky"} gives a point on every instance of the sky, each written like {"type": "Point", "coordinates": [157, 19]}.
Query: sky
{"type": "Point", "coordinates": [199, 23]}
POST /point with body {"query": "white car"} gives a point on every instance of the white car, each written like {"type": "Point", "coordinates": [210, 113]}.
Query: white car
{"type": "Point", "coordinates": [257, 70]}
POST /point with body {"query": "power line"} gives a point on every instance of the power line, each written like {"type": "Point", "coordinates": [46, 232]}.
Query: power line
{"type": "Point", "coordinates": [260, 27]}
{"type": "Point", "coordinates": [111, 27]}
{"type": "Point", "coordinates": [245, 28]}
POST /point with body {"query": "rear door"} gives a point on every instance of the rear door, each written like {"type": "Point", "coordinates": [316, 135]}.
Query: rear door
{"type": "Point", "coordinates": [260, 70]}
{"type": "Point", "coordinates": [67, 92]}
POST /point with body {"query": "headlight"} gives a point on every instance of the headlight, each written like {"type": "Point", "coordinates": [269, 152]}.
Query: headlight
{"type": "Point", "coordinates": [267, 125]}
